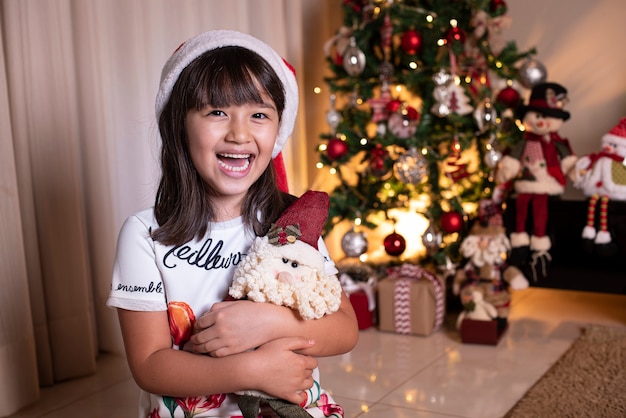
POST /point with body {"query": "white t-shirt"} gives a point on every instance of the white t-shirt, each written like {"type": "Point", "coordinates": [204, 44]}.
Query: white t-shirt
{"type": "Point", "coordinates": [147, 276]}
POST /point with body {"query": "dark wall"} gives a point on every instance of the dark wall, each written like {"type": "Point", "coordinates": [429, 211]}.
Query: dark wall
{"type": "Point", "coordinates": [576, 265]}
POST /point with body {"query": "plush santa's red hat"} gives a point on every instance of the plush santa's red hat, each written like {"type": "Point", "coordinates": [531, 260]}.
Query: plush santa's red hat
{"type": "Point", "coordinates": [299, 228]}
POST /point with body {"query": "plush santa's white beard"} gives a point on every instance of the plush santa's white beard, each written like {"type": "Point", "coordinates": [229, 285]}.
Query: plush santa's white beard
{"type": "Point", "coordinates": [491, 255]}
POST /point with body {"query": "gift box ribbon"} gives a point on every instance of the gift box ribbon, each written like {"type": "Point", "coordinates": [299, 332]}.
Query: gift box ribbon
{"type": "Point", "coordinates": [406, 274]}
{"type": "Point", "coordinates": [350, 286]}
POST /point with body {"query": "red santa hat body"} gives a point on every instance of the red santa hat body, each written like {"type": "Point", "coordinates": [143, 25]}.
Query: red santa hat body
{"type": "Point", "coordinates": [299, 228]}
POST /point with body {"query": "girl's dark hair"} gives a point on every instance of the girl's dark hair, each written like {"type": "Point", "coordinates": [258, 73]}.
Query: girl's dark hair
{"type": "Point", "coordinates": [220, 77]}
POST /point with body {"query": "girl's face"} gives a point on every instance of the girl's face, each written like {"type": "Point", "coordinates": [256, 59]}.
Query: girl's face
{"type": "Point", "coordinates": [231, 147]}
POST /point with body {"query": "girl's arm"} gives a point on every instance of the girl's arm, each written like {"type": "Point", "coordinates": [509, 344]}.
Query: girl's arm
{"type": "Point", "coordinates": [276, 368]}
{"type": "Point", "coordinates": [234, 327]}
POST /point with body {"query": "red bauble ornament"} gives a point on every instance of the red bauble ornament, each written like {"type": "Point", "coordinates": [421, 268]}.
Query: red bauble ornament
{"type": "Point", "coordinates": [336, 149]}
{"type": "Point", "coordinates": [509, 97]}
{"type": "Point", "coordinates": [395, 244]}
{"type": "Point", "coordinates": [455, 34]}
{"type": "Point", "coordinates": [496, 5]}
{"type": "Point", "coordinates": [338, 59]}
{"type": "Point", "coordinates": [412, 42]}
{"type": "Point", "coordinates": [380, 164]}
{"type": "Point", "coordinates": [451, 222]}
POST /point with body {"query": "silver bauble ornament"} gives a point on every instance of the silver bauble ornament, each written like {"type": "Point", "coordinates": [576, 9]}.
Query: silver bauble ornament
{"type": "Point", "coordinates": [333, 117]}
{"type": "Point", "coordinates": [432, 239]}
{"type": "Point", "coordinates": [485, 115]}
{"type": "Point", "coordinates": [492, 157]}
{"type": "Point", "coordinates": [531, 73]}
{"type": "Point", "coordinates": [353, 59]}
{"type": "Point", "coordinates": [354, 243]}
{"type": "Point", "coordinates": [411, 167]}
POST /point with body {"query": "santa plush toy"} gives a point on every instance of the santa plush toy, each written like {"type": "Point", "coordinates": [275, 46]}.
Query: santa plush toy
{"type": "Point", "coordinates": [286, 268]}
{"type": "Point", "coordinates": [486, 271]}
{"type": "Point", "coordinates": [602, 177]}
{"type": "Point", "coordinates": [538, 168]}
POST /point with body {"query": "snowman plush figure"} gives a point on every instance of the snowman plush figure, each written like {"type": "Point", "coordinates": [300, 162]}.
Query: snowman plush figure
{"type": "Point", "coordinates": [602, 177]}
{"type": "Point", "coordinates": [538, 168]}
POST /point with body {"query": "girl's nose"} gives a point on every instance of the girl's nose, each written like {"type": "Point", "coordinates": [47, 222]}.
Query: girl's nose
{"type": "Point", "coordinates": [239, 132]}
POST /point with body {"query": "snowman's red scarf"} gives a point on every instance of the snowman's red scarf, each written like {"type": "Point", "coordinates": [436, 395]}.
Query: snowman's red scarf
{"type": "Point", "coordinates": [593, 158]}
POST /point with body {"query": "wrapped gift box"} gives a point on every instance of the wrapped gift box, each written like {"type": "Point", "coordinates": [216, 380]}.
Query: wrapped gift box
{"type": "Point", "coordinates": [482, 332]}
{"type": "Point", "coordinates": [361, 305]}
{"type": "Point", "coordinates": [358, 281]}
{"type": "Point", "coordinates": [411, 300]}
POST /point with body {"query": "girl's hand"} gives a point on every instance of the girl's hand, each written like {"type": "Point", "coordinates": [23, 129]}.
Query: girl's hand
{"type": "Point", "coordinates": [280, 371]}
{"type": "Point", "coordinates": [234, 327]}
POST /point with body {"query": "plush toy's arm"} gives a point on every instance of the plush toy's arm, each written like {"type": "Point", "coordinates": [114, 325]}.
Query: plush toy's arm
{"type": "Point", "coordinates": [508, 169]}
{"type": "Point", "coordinates": [567, 166]}
{"type": "Point", "coordinates": [582, 171]}
{"type": "Point", "coordinates": [515, 278]}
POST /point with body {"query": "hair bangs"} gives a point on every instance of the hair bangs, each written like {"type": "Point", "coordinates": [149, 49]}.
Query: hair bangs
{"type": "Point", "coordinates": [233, 76]}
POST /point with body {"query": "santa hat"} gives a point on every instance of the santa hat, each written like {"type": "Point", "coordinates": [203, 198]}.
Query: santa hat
{"type": "Point", "coordinates": [298, 230]}
{"type": "Point", "coordinates": [303, 221]}
{"type": "Point", "coordinates": [489, 221]}
{"type": "Point", "coordinates": [194, 47]}
{"type": "Point", "coordinates": [617, 134]}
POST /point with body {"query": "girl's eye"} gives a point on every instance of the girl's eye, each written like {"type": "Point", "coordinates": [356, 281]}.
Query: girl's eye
{"type": "Point", "coordinates": [259, 116]}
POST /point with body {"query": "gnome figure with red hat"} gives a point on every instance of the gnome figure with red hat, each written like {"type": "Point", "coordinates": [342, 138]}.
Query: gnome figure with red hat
{"type": "Point", "coordinates": [602, 177]}
{"type": "Point", "coordinates": [538, 167]}
{"type": "Point", "coordinates": [286, 268]}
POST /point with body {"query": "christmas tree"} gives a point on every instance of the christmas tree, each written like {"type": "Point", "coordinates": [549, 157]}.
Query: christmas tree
{"type": "Point", "coordinates": [422, 100]}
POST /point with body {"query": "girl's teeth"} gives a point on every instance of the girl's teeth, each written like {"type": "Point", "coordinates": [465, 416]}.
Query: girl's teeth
{"type": "Point", "coordinates": [244, 157]}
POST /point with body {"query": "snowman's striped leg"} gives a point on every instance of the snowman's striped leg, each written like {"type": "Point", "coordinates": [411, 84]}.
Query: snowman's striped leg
{"type": "Point", "coordinates": [604, 204]}
{"type": "Point", "coordinates": [603, 237]}
{"type": "Point", "coordinates": [589, 232]}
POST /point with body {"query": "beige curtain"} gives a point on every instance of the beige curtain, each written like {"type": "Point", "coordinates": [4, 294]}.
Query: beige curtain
{"type": "Point", "coordinates": [79, 153]}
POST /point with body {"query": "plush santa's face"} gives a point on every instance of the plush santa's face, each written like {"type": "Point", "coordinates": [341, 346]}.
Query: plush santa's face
{"type": "Point", "coordinates": [485, 249]}
{"type": "Point", "coordinates": [289, 275]}
{"type": "Point", "coordinates": [287, 270]}
{"type": "Point", "coordinates": [540, 124]}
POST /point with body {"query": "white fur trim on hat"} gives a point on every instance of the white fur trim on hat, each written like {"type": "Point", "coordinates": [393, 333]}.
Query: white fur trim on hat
{"type": "Point", "coordinates": [207, 41]}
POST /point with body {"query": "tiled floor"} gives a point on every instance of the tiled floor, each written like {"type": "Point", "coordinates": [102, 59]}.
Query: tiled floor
{"type": "Point", "coordinates": [393, 376]}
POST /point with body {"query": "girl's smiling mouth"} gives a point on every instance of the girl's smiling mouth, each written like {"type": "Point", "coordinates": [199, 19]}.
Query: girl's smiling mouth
{"type": "Point", "coordinates": [234, 162]}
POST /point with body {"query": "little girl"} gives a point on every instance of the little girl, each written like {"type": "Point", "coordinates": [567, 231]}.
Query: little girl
{"type": "Point", "coordinates": [226, 105]}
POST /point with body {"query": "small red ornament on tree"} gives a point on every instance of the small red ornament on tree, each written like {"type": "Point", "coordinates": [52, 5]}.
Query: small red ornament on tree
{"type": "Point", "coordinates": [455, 34]}
{"type": "Point", "coordinates": [336, 149]}
{"type": "Point", "coordinates": [380, 163]}
{"type": "Point", "coordinates": [497, 6]}
{"type": "Point", "coordinates": [395, 244]}
{"type": "Point", "coordinates": [451, 222]}
{"type": "Point", "coordinates": [412, 42]}
{"type": "Point", "coordinates": [509, 97]}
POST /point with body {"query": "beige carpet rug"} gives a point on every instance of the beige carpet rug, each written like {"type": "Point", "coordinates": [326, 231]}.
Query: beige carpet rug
{"type": "Point", "coordinates": [589, 380]}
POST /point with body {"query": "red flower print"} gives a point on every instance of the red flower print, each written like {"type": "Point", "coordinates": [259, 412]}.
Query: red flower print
{"type": "Point", "coordinates": [154, 414]}
{"type": "Point", "coordinates": [329, 409]}
{"type": "Point", "coordinates": [181, 319]}
{"type": "Point", "coordinates": [195, 405]}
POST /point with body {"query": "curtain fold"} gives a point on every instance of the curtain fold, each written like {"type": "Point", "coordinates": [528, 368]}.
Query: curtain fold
{"type": "Point", "coordinates": [18, 377]}
{"type": "Point", "coordinates": [79, 153]}
{"type": "Point", "coordinates": [41, 75]}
